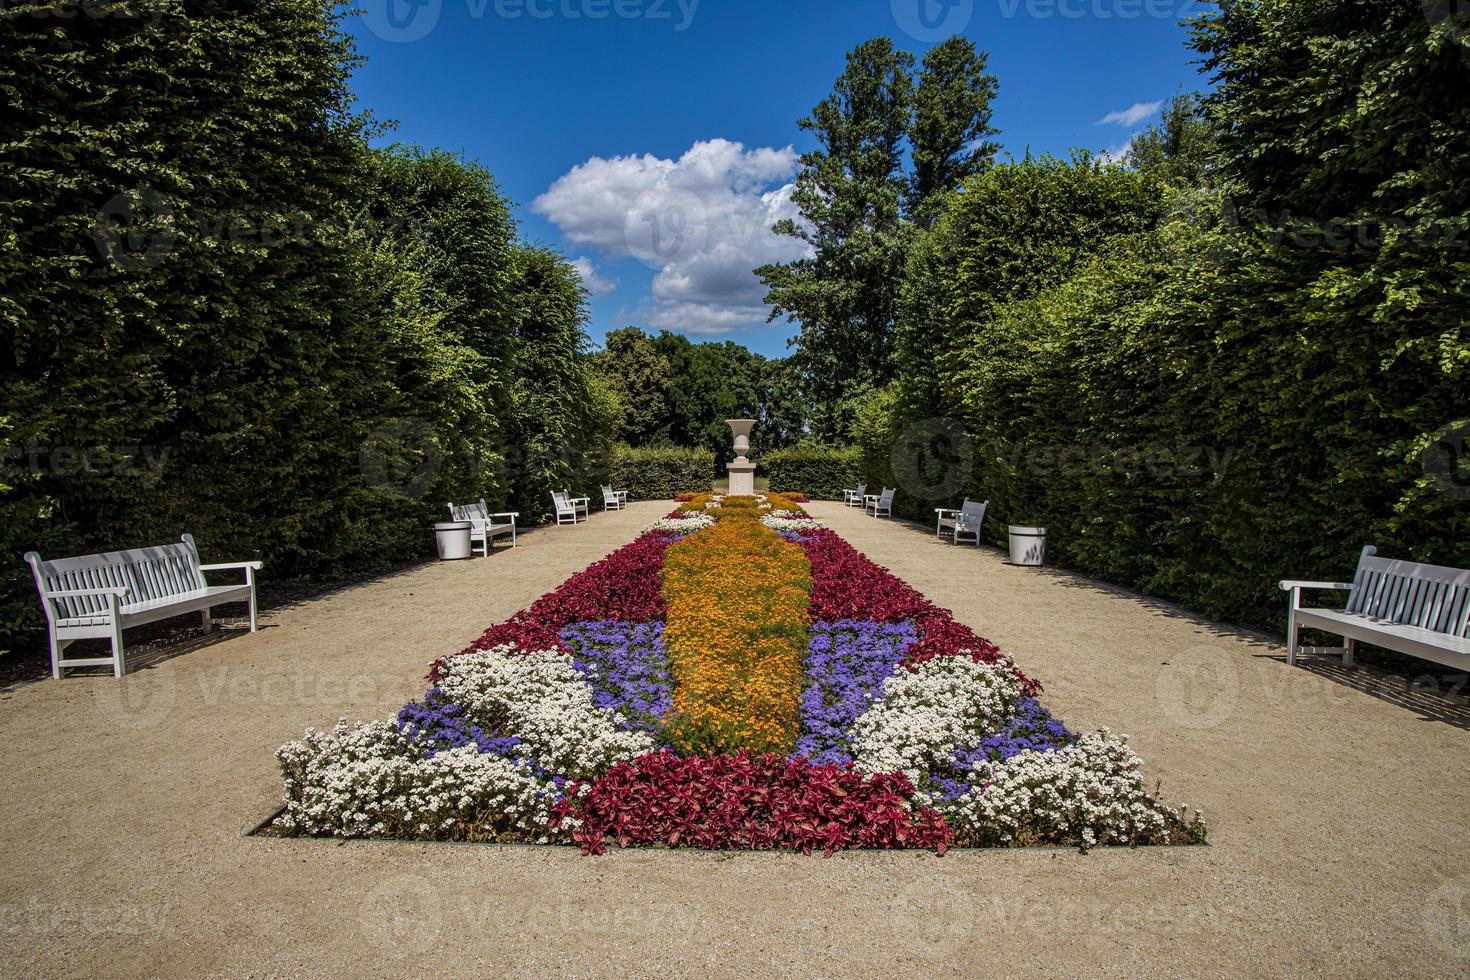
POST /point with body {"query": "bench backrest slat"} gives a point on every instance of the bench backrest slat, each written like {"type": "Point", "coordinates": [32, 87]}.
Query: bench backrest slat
{"type": "Point", "coordinates": [479, 511]}
{"type": "Point", "coordinates": [1409, 593]}
{"type": "Point", "coordinates": [974, 508]}
{"type": "Point", "coordinates": [885, 499]}
{"type": "Point", "coordinates": [149, 574]}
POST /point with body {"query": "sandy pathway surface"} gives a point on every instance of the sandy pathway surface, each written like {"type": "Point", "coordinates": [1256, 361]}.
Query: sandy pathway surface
{"type": "Point", "coordinates": [1338, 804]}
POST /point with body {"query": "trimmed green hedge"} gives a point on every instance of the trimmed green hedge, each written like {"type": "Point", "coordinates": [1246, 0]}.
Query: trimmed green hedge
{"type": "Point", "coordinates": [822, 472]}
{"type": "Point", "coordinates": [652, 473]}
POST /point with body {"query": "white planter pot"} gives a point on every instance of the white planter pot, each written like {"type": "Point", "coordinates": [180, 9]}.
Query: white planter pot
{"type": "Point", "coordinates": [453, 539]}
{"type": "Point", "coordinates": [1028, 545]}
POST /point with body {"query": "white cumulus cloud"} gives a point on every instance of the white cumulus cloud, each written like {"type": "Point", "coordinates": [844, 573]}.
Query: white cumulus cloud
{"type": "Point", "coordinates": [1131, 116]}
{"type": "Point", "coordinates": [597, 285]}
{"type": "Point", "coordinates": [702, 222]}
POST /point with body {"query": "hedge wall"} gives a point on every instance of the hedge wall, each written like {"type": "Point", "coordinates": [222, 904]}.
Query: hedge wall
{"type": "Point", "coordinates": [225, 314]}
{"type": "Point", "coordinates": [660, 473]}
{"type": "Point", "coordinates": [1200, 390]}
{"type": "Point", "coordinates": [821, 472]}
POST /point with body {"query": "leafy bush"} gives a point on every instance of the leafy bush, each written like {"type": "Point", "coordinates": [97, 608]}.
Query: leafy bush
{"type": "Point", "coordinates": [1197, 390]}
{"type": "Point", "coordinates": [822, 472]}
{"type": "Point", "coordinates": [657, 473]}
{"type": "Point", "coordinates": [228, 315]}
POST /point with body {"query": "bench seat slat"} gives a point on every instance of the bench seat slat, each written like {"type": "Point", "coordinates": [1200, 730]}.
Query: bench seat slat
{"type": "Point", "coordinates": [1452, 651]}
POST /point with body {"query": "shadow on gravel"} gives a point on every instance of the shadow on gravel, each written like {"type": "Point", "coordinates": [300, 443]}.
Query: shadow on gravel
{"type": "Point", "coordinates": [1428, 690]}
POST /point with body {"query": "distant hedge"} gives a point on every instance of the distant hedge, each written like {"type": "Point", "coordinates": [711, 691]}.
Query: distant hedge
{"type": "Point", "coordinates": [659, 474]}
{"type": "Point", "coordinates": [817, 471]}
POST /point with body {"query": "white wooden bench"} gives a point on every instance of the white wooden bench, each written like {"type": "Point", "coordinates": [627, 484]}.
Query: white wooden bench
{"type": "Point", "coordinates": [569, 509]}
{"type": "Point", "coordinates": [854, 497]}
{"type": "Point", "coordinates": [483, 524]}
{"type": "Point", "coordinates": [614, 499]}
{"type": "Point", "coordinates": [881, 504]}
{"type": "Point", "coordinates": [966, 521]}
{"type": "Point", "coordinates": [99, 596]}
{"type": "Point", "coordinates": [1421, 610]}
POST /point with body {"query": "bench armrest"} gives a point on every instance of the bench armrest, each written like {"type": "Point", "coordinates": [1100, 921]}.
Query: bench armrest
{"type": "Point", "coordinates": [946, 510]}
{"type": "Point", "coordinates": [255, 565]}
{"type": "Point", "coordinates": [1288, 584]}
{"type": "Point", "coordinates": [117, 590]}
{"type": "Point", "coordinates": [508, 513]}
{"type": "Point", "coordinates": [581, 500]}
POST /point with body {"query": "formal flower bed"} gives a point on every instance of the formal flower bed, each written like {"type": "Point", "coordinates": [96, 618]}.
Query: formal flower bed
{"type": "Point", "coordinates": [737, 677]}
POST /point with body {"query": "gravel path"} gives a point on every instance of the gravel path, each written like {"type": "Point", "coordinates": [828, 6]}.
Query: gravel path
{"type": "Point", "coordinates": [1337, 803]}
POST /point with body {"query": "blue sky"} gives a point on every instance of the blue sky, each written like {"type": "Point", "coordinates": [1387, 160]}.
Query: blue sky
{"type": "Point", "coordinates": [652, 140]}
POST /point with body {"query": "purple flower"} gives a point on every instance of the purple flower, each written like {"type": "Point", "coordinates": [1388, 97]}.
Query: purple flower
{"type": "Point", "coordinates": [437, 723]}
{"type": "Point", "coordinates": [847, 662]}
{"type": "Point", "coordinates": [627, 668]}
{"type": "Point", "coordinates": [1030, 727]}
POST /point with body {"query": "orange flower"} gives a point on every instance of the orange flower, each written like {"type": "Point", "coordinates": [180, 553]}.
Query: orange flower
{"type": "Point", "coordinates": [736, 632]}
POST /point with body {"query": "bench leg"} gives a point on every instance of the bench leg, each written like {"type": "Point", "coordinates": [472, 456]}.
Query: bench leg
{"type": "Point", "coordinates": [1349, 647]}
{"type": "Point", "coordinates": [119, 667]}
{"type": "Point", "coordinates": [206, 622]}
{"type": "Point", "coordinates": [250, 579]}
{"type": "Point", "coordinates": [56, 647]}
{"type": "Point", "coordinates": [1291, 645]}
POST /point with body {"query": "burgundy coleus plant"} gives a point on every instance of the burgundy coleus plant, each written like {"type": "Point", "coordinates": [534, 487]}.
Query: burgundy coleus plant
{"type": "Point", "coordinates": [624, 586]}
{"type": "Point", "coordinates": [745, 801]}
{"type": "Point", "coordinates": [846, 584]}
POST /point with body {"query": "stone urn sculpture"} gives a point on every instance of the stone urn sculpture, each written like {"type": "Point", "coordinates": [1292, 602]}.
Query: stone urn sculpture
{"type": "Point", "coordinates": [742, 470]}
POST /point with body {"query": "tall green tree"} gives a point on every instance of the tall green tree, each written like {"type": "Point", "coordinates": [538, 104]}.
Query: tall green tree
{"type": "Point", "coordinates": [563, 414]}
{"type": "Point", "coordinates": [850, 192]}
{"type": "Point", "coordinates": [639, 375]}
{"type": "Point", "coordinates": [1181, 147]}
{"type": "Point", "coordinates": [855, 200]}
{"type": "Point", "coordinates": [951, 124]}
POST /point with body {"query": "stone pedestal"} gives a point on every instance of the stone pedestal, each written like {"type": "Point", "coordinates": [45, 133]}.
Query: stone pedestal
{"type": "Point", "coordinates": [742, 470]}
{"type": "Point", "coordinates": [742, 479]}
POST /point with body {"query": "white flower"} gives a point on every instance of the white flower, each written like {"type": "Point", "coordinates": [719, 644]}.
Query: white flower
{"type": "Point", "coordinates": [682, 525]}
{"type": "Point", "coordinates": [544, 700]}
{"type": "Point", "coordinates": [372, 781]}
{"type": "Point", "coordinates": [925, 714]}
{"type": "Point", "coordinates": [798, 525]}
{"type": "Point", "coordinates": [1088, 793]}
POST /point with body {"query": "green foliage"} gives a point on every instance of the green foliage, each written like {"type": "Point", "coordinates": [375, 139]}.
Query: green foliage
{"type": "Point", "coordinates": [563, 413]}
{"type": "Point", "coordinates": [853, 193]}
{"type": "Point", "coordinates": [673, 391]}
{"type": "Point", "coordinates": [660, 473]}
{"type": "Point", "coordinates": [821, 472]}
{"type": "Point", "coordinates": [1200, 391]}
{"type": "Point", "coordinates": [1179, 149]}
{"type": "Point", "coordinates": [635, 370]}
{"type": "Point", "coordinates": [224, 314]}
{"type": "Point", "coordinates": [951, 123]}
